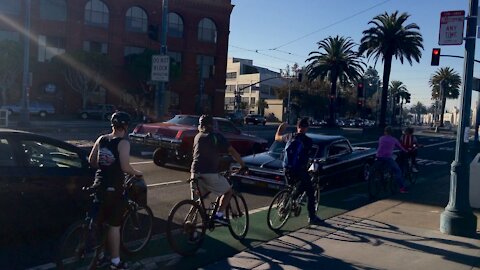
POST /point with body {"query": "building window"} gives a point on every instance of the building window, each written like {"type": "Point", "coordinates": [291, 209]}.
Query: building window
{"type": "Point", "coordinates": [95, 47]}
{"type": "Point", "coordinates": [10, 7]}
{"type": "Point", "coordinates": [130, 50]}
{"type": "Point", "coordinates": [207, 31]}
{"type": "Point", "coordinates": [96, 13]}
{"type": "Point", "coordinates": [9, 35]}
{"type": "Point", "coordinates": [55, 10]}
{"type": "Point", "coordinates": [175, 25]}
{"type": "Point", "coordinates": [137, 20]}
{"type": "Point", "coordinates": [48, 47]}
{"type": "Point", "coordinates": [252, 101]}
{"type": "Point", "coordinates": [231, 75]}
{"type": "Point", "coordinates": [230, 88]}
{"type": "Point", "coordinates": [206, 65]}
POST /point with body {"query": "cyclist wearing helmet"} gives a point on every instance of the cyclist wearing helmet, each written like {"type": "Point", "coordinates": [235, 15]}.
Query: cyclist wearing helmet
{"type": "Point", "coordinates": [110, 155]}
{"type": "Point", "coordinates": [208, 147]}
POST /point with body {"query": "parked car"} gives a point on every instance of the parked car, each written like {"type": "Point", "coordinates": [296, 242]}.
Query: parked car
{"type": "Point", "coordinates": [41, 109]}
{"type": "Point", "coordinates": [255, 119]}
{"type": "Point", "coordinates": [337, 160]}
{"type": "Point", "coordinates": [99, 111]}
{"type": "Point", "coordinates": [173, 139]}
{"type": "Point", "coordinates": [40, 182]}
{"type": "Point", "coordinates": [235, 117]}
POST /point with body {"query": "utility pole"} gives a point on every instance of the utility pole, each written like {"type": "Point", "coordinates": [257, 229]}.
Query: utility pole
{"type": "Point", "coordinates": [160, 90]}
{"type": "Point", "coordinates": [25, 116]}
{"type": "Point", "coordinates": [288, 104]}
{"type": "Point", "coordinates": [458, 218]}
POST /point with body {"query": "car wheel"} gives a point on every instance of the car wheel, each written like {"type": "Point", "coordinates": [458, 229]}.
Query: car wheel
{"type": "Point", "coordinates": [159, 157]}
{"type": "Point", "coordinates": [84, 115]}
{"type": "Point", "coordinates": [42, 114]}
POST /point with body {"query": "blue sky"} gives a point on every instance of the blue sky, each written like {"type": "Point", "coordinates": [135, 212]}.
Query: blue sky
{"type": "Point", "coordinates": [274, 33]}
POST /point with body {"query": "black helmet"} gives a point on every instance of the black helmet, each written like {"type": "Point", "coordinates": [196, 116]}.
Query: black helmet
{"type": "Point", "coordinates": [120, 119]}
{"type": "Point", "coordinates": [205, 120]}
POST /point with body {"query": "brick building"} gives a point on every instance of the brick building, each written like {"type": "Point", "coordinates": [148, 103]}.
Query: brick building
{"type": "Point", "coordinates": [197, 42]}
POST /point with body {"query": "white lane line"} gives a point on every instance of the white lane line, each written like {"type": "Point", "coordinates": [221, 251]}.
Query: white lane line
{"type": "Point", "coordinates": [146, 153]}
{"type": "Point", "coordinates": [164, 183]}
{"type": "Point", "coordinates": [141, 162]}
{"type": "Point", "coordinates": [437, 144]}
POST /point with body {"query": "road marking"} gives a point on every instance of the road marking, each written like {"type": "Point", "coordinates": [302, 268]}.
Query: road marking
{"type": "Point", "coordinates": [141, 162]}
{"type": "Point", "coordinates": [164, 183]}
{"type": "Point", "coordinates": [446, 148]}
{"type": "Point", "coordinates": [146, 153]}
{"type": "Point", "coordinates": [356, 197]}
{"type": "Point", "coordinates": [437, 144]}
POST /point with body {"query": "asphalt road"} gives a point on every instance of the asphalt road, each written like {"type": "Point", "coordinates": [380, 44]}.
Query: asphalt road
{"type": "Point", "coordinates": [167, 186]}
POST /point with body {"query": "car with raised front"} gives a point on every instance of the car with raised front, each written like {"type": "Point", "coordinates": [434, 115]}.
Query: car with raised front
{"type": "Point", "coordinates": [333, 157]}
{"type": "Point", "coordinates": [173, 139]}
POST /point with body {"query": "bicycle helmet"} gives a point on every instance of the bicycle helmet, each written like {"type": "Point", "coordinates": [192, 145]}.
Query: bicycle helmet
{"type": "Point", "coordinates": [205, 120]}
{"type": "Point", "coordinates": [120, 119]}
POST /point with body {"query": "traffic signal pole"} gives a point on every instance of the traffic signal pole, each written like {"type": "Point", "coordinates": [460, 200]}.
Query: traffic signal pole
{"type": "Point", "coordinates": [458, 218]}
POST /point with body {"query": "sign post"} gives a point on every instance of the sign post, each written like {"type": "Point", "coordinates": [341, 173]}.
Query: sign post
{"type": "Point", "coordinates": [451, 27]}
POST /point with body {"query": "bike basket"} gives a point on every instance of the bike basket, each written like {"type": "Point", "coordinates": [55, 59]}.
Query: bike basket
{"type": "Point", "coordinates": [137, 191]}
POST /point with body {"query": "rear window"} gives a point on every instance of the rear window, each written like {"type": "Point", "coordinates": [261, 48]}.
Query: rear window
{"type": "Point", "coordinates": [184, 120]}
{"type": "Point", "coordinates": [279, 147]}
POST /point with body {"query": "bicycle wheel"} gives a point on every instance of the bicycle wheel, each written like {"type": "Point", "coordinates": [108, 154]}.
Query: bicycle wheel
{"type": "Point", "coordinates": [317, 189]}
{"type": "Point", "coordinates": [186, 227]}
{"type": "Point", "coordinates": [237, 214]}
{"type": "Point", "coordinates": [279, 210]}
{"type": "Point", "coordinates": [412, 176]}
{"type": "Point", "coordinates": [73, 252]}
{"type": "Point", "coordinates": [392, 182]}
{"type": "Point", "coordinates": [374, 183]}
{"type": "Point", "coordinates": [136, 229]}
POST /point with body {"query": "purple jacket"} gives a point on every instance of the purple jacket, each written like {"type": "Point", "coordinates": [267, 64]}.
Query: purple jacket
{"type": "Point", "coordinates": [386, 144]}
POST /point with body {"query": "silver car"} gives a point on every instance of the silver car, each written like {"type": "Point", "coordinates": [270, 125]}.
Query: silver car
{"type": "Point", "coordinates": [41, 109]}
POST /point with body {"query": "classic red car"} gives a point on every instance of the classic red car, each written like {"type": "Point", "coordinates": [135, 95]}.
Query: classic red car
{"type": "Point", "coordinates": [174, 139]}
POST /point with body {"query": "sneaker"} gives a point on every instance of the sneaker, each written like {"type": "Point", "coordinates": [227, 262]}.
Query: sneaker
{"type": "Point", "coordinates": [120, 266]}
{"type": "Point", "coordinates": [403, 190]}
{"type": "Point", "coordinates": [103, 262]}
{"type": "Point", "coordinates": [315, 221]}
{"type": "Point", "coordinates": [414, 169]}
{"type": "Point", "coordinates": [221, 220]}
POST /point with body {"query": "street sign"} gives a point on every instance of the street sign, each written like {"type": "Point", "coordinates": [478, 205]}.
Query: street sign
{"type": "Point", "coordinates": [160, 68]}
{"type": "Point", "coordinates": [451, 27]}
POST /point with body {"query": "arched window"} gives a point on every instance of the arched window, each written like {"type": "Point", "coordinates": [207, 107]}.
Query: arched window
{"type": "Point", "coordinates": [207, 31]}
{"type": "Point", "coordinates": [175, 25]}
{"type": "Point", "coordinates": [137, 20]}
{"type": "Point", "coordinates": [96, 13]}
{"type": "Point", "coordinates": [55, 10]}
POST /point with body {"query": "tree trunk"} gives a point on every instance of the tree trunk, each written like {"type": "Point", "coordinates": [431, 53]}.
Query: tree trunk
{"type": "Point", "coordinates": [444, 101]}
{"type": "Point", "coordinates": [333, 99]}
{"type": "Point", "coordinates": [387, 68]}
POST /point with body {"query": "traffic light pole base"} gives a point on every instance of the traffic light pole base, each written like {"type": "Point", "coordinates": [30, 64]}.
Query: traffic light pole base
{"type": "Point", "coordinates": [454, 222]}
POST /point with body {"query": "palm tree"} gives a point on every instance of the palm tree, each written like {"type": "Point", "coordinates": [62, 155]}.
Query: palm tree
{"type": "Point", "coordinates": [389, 37]}
{"type": "Point", "coordinates": [418, 109]}
{"type": "Point", "coordinates": [397, 88]}
{"type": "Point", "coordinates": [337, 61]}
{"type": "Point", "coordinates": [450, 81]}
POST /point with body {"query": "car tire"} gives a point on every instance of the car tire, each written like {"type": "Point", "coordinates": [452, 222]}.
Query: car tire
{"type": "Point", "coordinates": [42, 114]}
{"type": "Point", "coordinates": [159, 157]}
{"type": "Point", "coordinates": [84, 116]}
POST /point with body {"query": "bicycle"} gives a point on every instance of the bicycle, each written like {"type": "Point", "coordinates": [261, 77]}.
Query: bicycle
{"type": "Point", "coordinates": [407, 167]}
{"type": "Point", "coordinates": [82, 243]}
{"type": "Point", "coordinates": [284, 204]}
{"type": "Point", "coordinates": [189, 219]}
{"type": "Point", "coordinates": [380, 180]}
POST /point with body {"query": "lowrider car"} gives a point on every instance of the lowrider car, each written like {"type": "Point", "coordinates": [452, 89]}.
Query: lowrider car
{"type": "Point", "coordinates": [332, 159]}
{"type": "Point", "coordinates": [173, 139]}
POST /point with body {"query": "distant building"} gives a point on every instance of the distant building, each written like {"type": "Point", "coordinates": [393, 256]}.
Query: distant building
{"type": "Point", "coordinates": [254, 83]}
{"type": "Point", "coordinates": [197, 42]}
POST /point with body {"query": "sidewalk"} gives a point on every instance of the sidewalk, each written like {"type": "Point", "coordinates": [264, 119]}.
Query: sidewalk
{"type": "Point", "coordinates": [401, 232]}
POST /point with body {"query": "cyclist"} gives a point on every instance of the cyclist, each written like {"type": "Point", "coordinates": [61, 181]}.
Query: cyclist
{"type": "Point", "coordinates": [110, 155]}
{"type": "Point", "coordinates": [208, 148]}
{"type": "Point", "coordinates": [386, 144]}
{"type": "Point", "coordinates": [301, 174]}
{"type": "Point", "coordinates": [410, 143]}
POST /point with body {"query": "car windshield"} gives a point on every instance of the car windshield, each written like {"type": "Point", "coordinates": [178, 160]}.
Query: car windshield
{"type": "Point", "coordinates": [184, 120]}
{"type": "Point", "coordinates": [279, 147]}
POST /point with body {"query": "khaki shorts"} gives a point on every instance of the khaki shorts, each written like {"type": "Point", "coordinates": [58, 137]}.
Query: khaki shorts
{"type": "Point", "coordinates": [214, 183]}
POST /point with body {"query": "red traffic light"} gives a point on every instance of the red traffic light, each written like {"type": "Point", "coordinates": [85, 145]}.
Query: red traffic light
{"type": "Point", "coordinates": [360, 85]}
{"type": "Point", "coordinates": [435, 57]}
{"type": "Point", "coordinates": [436, 51]}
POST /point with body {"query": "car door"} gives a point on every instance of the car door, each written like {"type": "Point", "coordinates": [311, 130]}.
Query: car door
{"type": "Point", "coordinates": [234, 136]}
{"type": "Point", "coordinates": [338, 163]}
{"type": "Point", "coordinates": [12, 185]}
{"type": "Point", "coordinates": [57, 172]}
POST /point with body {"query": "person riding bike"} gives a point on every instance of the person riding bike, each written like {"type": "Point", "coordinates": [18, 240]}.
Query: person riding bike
{"type": "Point", "coordinates": [110, 155]}
{"type": "Point", "coordinates": [386, 144]}
{"type": "Point", "coordinates": [301, 173]}
{"type": "Point", "coordinates": [208, 148]}
{"type": "Point", "coordinates": [410, 143]}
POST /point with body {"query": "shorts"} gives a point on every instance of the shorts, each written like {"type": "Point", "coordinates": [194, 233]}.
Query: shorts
{"type": "Point", "coordinates": [214, 183]}
{"type": "Point", "coordinates": [112, 209]}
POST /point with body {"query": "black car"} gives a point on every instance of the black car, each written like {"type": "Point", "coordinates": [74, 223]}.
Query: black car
{"type": "Point", "coordinates": [255, 119]}
{"type": "Point", "coordinates": [335, 160]}
{"type": "Point", "coordinates": [40, 182]}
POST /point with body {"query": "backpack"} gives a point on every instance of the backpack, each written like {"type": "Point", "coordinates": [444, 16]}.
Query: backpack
{"type": "Point", "coordinates": [291, 158]}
